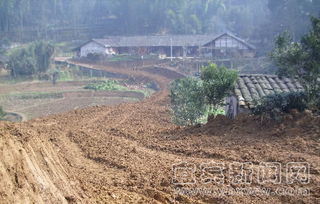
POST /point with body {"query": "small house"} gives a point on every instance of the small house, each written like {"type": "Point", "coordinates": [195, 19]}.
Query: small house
{"type": "Point", "coordinates": [252, 87]}
{"type": "Point", "coordinates": [94, 47]}
{"type": "Point", "coordinates": [228, 45]}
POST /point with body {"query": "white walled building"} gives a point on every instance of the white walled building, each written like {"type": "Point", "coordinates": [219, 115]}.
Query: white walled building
{"type": "Point", "coordinates": [94, 47]}
{"type": "Point", "coordinates": [223, 45]}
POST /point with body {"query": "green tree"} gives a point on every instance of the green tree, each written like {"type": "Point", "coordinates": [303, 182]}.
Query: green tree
{"type": "Point", "coordinates": [192, 99]}
{"type": "Point", "coordinates": [301, 59]}
{"type": "Point", "coordinates": [21, 62]}
{"type": "Point", "coordinates": [27, 20]}
{"type": "Point", "coordinates": [218, 82]}
{"type": "Point", "coordinates": [32, 59]}
{"type": "Point", "coordinates": [43, 52]}
{"type": "Point", "coordinates": [187, 101]}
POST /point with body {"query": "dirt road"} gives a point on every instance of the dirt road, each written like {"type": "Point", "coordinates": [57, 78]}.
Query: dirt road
{"type": "Point", "coordinates": [126, 154]}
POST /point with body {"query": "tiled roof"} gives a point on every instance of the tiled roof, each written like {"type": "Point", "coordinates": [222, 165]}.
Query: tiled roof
{"type": "Point", "coordinates": [146, 41]}
{"type": "Point", "coordinates": [251, 87]}
{"type": "Point", "coordinates": [235, 37]}
{"type": "Point", "coordinates": [240, 40]}
{"type": "Point", "coordinates": [163, 40]}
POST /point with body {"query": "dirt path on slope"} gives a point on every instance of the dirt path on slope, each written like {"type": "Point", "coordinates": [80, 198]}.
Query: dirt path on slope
{"type": "Point", "coordinates": [90, 177]}
{"type": "Point", "coordinates": [125, 153]}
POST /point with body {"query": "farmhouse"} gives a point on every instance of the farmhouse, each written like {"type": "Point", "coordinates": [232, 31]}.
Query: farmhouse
{"type": "Point", "coordinates": [223, 45]}
{"type": "Point", "coordinates": [252, 87]}
{"type": "Point", "coordinates": [228, 45]}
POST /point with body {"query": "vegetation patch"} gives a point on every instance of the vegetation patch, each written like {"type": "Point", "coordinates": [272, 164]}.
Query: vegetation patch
{"type": "Point", "coordinates": [107, 85]}
{"type": "Point", "coordinates": [301, 60]}
{"type": "Point", "coordinates": [31, 59]}
{"type": "Point", "coordinates": [113, 85]}
{"type": "Point", "coordinates": [64, 49]}
{"type": "Point", "coordinates": [187, 101]}
{"type": "Point", "coordinates": [274, 106]}
{"type": "Point", "coordinates": [36, 95]}
{"type": "Point", "coordinates": [193, 100]}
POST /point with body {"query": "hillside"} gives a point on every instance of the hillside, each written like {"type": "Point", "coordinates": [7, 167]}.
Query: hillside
{"type": "Point", "coordinates": [125, 153]}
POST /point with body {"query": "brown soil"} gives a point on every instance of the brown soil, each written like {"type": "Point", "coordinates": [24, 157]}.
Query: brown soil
{"type": "Point", "coordinates": [66, 96]}
{"type": "Point", "coordinates": [125, 153]}
{"type": "Point", "coordinates": [169, 74]}
{"type": "Point", "coordinates": [42, 87]}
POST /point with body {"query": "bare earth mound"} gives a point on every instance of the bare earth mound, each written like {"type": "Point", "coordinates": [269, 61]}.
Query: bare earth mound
{"type": "Point", "coordinates": [126, 154]}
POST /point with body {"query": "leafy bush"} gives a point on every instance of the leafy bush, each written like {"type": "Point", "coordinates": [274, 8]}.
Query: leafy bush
{"type": "Point", "coordinates": [21, 63]}
{"type": "Point", "coordinates": [273, 106]}
{"type": "Point", "coordinates": [218, 82]}
{"type": "Point", "coordinates": [187, 101]}
{"type": "Point", "coordinates": [108, 85]}
{"type": "Point", "coordinates": [219, 111]}
{"type": "Point", "coordinates": [2, 113]}
{"type": "Point", "coordinates": [32, 59]}
{"type": "Point", "coordinates": [192, 100]}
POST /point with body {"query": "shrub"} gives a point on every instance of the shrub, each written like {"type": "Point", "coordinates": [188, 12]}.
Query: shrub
{"type": "Point", "coordinates": [273, 106]}
{"type": "Point", "coordinates": [192, 100]}
{"type": "Point", "coordinates": [218, 82]}
{"type": "Point", "coordinates": [32, 59]}
{"type": "Point", "coordinates": [21, 63]}
{"type": "Point", "coordinates": [187, 101]}
{"type": "Point", "coordinates": [43, 52]}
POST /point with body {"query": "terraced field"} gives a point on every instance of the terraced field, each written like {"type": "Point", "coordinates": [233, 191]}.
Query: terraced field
{"type": "Point", "coordinates": [39, 99]}
{"type": "Point", "coordinates": [127, 153]}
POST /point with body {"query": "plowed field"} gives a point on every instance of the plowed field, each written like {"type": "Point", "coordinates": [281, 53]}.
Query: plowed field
{"type": "Point", "coordinates": [128, 153]}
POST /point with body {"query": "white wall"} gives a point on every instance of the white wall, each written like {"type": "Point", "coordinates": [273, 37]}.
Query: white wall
{"type": "Point", "coordinates": [93, 47]}
{"type": "Point", "coordinates": [229, 42]}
